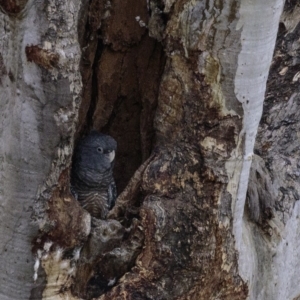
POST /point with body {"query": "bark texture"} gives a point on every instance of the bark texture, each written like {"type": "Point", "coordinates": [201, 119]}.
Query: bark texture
{"type": "Point", "coordinates": [40, 86]}
{"type": "Point", "coordinates": [275, 236]}
{"type": "Point", "coordinates": [180, 85]}
{"type": "Point", "coordinates": [194, 185]}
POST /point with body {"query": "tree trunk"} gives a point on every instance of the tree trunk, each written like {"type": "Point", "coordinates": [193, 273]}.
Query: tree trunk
{"type": "Point", "coordinates": [274, 235]}
{"type": "Point", "coordinates": [180, 85]}
{"type": "Point", "coordinates": [40, 88]}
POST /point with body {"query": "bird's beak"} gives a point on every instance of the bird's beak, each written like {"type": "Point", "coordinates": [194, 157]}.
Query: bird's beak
{"type": "Point", "coordinates": [111, 156]}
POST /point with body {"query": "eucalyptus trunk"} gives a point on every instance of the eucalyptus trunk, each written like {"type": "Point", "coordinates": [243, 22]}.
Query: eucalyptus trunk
{"type": "Point", "coordinates": [181, 86]}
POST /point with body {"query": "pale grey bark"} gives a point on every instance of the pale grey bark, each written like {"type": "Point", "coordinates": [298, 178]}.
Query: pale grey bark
{"type": "Point", "coordinates": [258, 41]}
{"type": "Point", "coordinates": [274, 240]}
{"type": "Point", "coordinates": [38, 109]}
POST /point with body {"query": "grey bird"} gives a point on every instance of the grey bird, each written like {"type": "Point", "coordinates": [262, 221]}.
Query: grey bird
{"type": "Point", "coordinates": [92, 181]}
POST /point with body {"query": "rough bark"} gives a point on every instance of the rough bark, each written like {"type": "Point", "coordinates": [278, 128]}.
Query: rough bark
{"type": "Point", "coordinates": [180, 85]}
{"type": "Point", "coordinates": [40, 86]}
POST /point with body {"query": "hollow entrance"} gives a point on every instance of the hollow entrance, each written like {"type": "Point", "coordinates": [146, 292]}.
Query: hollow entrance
{"type": "Point", "coordinates": [121, 68]}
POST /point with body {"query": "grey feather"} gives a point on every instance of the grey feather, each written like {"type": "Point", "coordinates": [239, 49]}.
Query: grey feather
{"type": "Point", "coordinates": [112, 194]}
{"type": "Point", "coordinates": [92, 173]}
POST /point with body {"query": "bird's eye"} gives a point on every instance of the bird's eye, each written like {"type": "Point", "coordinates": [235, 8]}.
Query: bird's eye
{"type": "Point", "coordinates": [100, 150]}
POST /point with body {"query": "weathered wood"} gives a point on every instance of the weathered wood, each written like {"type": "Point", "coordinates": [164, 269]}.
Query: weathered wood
{"type": "Point", "coordinates": [38, 106]}
{"type": "Point", "coordinates": [180, 85]}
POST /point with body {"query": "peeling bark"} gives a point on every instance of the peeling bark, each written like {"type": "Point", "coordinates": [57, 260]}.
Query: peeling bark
{"type": "Point", "coordinates": [180, 85]}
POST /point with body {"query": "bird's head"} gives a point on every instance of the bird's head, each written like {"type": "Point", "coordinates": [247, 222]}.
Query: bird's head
{"type": "Point", "coordinates": [101, 145]}
{"type": "Point", "coordinates": [96, 151]}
